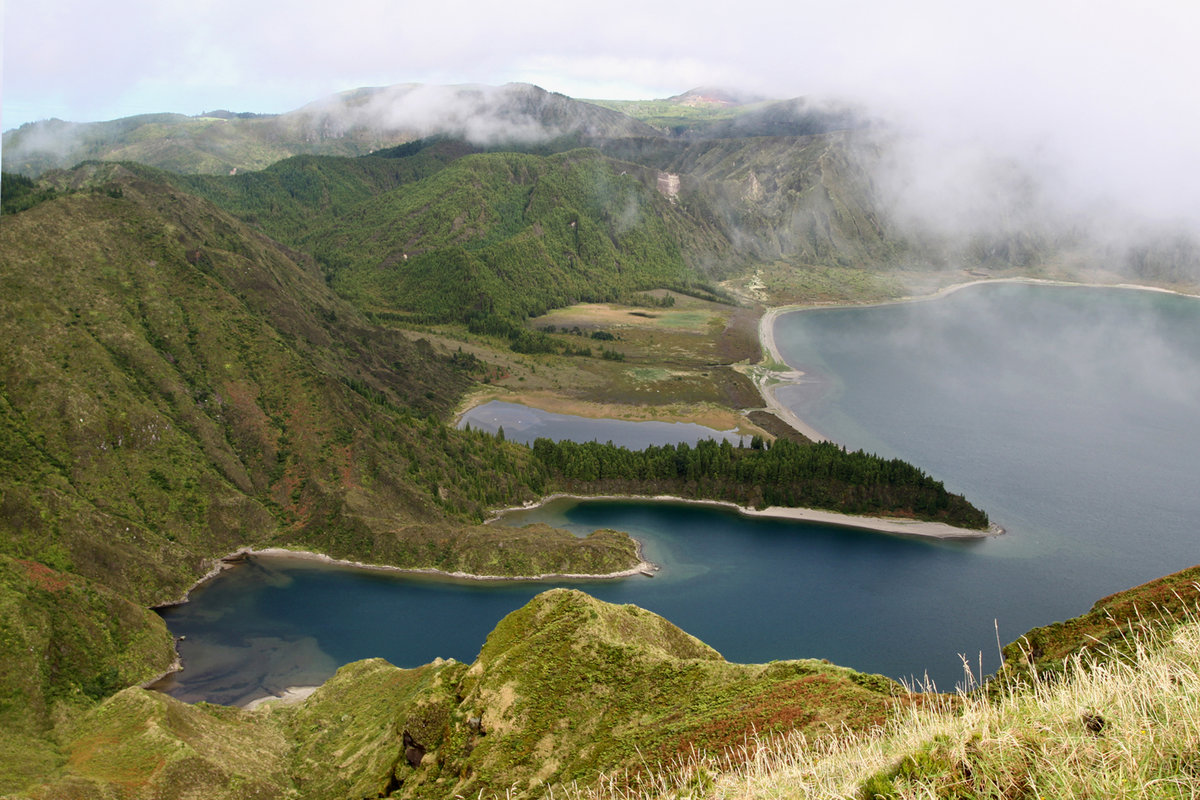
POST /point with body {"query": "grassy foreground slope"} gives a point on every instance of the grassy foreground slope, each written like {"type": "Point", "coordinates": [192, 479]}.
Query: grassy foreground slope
{"type": "Point", "coordinates": [65, 643]}
{"type": "Point", "coordinates": [1102, 722]}
{"type": "Point", "coordinates": [574, 697]}
{"type": "Point", "coordinates": [565, 688]}
{"type": "Point", "coordinates": [1111, 629]}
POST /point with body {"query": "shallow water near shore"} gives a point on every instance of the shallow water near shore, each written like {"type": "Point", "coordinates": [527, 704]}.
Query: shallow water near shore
{"type": "Point", "coordinates": [1069, 414]}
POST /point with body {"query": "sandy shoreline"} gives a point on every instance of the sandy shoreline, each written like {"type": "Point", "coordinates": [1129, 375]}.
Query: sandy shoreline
{"type": "Point", "coordinates": [768, 380]}
{"type": "Point", "coordinates": [897, 526]}
{"type": "Point", "coordinates": [289, 697]}
{"type": "Point", "coordinates": [643, 567]}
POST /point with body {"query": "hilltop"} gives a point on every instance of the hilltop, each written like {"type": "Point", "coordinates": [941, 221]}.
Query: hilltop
{"type": "Point", "coordinates": [564, 688]}
{"type": "Point", "coordinates": [351, 123]}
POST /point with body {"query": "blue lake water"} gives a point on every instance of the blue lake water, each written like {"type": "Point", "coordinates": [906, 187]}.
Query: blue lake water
{"type": "Point", "coordinates": [524, 424]}
{"type": "Point", "coordinates": [1069, 414]}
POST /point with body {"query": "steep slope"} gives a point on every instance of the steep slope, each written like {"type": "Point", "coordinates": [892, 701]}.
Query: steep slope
{"type": "Point", "coordinates": [568, 687]}
{"type": "Point", "coordinates": [65, 642]}
{"type": "Point", "coordinates": [511, 235]}
{"type": "Point", "coordinates": [287, 199]}
{"type": "Point", "coordinates": [176, 386]}
{"type": "Point", "coordinates": [565, 688]}
{"type": "Point", "coordinates": [141, 744]}
{"type": "Point", "coordinates": [806, 199]}
{"type": "Point", "coordinates": [1112, 628]}
{"type": "Point", "coordinates": [351, 123]}
{"type": "Point", "coordinates": [443, 231]}
{"type": "Point", "coordinates": [1114, 718]}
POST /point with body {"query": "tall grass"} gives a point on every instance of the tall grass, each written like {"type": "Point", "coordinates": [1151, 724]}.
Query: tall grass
{"type": "Point", "coordinates": [1125, 727]}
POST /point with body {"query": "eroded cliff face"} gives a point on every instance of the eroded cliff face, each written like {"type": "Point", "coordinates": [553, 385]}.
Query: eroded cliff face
{"type": "Point", "coordinates": [668, 185]}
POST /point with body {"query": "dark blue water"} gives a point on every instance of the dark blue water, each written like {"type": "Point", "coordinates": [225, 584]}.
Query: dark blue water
{"type": "Point", "coordinates": [524, 424]}
{"type": "Point", "coordinates": [1069, 414]}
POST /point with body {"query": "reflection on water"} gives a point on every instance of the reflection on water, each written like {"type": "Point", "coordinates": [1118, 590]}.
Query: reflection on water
{"type": "Point", "coordinates": [261, 666]}
{"type": "Point", "coordinates": [524, 424]}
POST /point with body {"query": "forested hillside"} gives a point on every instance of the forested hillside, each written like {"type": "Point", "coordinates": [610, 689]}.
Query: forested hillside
{"type": "Point", "coordinates": [510, 235]}
{"type": "Point", "coordinates": [177, 386]}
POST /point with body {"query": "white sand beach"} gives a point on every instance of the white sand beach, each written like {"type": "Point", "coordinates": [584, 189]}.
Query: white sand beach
{"type": "Point", "coordinates": [898, 526]}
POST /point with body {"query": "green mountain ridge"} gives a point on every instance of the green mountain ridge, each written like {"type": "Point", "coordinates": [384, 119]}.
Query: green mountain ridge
{"type": "Point", "coordinates": [514, 235]}
{"type": "Point", "coordinates": [351, 123]}
{"type": "Point", "coordinates": [564, 688]}
{"type": "Point", "coordinates": [194, 364]}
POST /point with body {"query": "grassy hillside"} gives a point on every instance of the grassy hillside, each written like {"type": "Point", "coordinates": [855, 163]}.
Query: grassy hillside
{"type": "Point", "coordinates": [1111, 629]}
{"type": "Point", "coordinates": [442, 231]}
{"type": "Point", "coordinates": [574, 697]}
{"type": "Point", "coordinates": [287, 199]}
{"type": "Point", "coordinates": [1123, 725]}
{"type": "Point", "coordinates": [509, 235]}
{"type": "Point", "coordinates": [564, 688]}
{"type": "Point", "coordinates": [175, 386]}
{"type": "Point", "coordinates": [65, 643]}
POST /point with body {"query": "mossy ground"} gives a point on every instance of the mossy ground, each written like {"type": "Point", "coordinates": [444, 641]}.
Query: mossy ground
{"type": "Point", "coordinates": [139, 743]}
{"type": "Point", "coordinates": [1119, 717]}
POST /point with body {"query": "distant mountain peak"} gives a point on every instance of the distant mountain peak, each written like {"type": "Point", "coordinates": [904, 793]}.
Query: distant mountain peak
{"type": "Point", "coordinates": [716, 96]}
{"type": "Point", "coordinates": [483, 114]}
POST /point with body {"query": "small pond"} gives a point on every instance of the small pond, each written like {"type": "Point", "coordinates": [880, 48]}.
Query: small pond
{"type": "Point", "coordinates": [524, 424]}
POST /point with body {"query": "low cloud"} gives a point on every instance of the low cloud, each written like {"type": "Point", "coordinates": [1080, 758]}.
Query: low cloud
{"type": "Point", "coordinates": [483, 115]}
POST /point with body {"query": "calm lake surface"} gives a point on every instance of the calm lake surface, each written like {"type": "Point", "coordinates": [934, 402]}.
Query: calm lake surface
{"type": "Point", "coordinates": [1069, 414]}
{"type": "Point", "coordinates": [524, 424]}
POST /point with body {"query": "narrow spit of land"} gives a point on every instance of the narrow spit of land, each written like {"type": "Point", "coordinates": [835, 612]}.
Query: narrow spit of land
{"type": "Point", "coordinates": [890, 525]}
{"type": "Point", "coordinates": [767, 376]}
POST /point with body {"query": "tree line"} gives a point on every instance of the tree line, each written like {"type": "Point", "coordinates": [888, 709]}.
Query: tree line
{"type": "Point", "coordinates": [782, 473]}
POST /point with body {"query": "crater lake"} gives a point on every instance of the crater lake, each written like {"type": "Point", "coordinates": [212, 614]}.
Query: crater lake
{"type": "Point", "coordinates": [1068, 413]}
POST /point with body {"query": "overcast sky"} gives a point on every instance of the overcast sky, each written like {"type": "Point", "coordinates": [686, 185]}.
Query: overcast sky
{"type": "Point", "coordinates": [1108, 89]}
